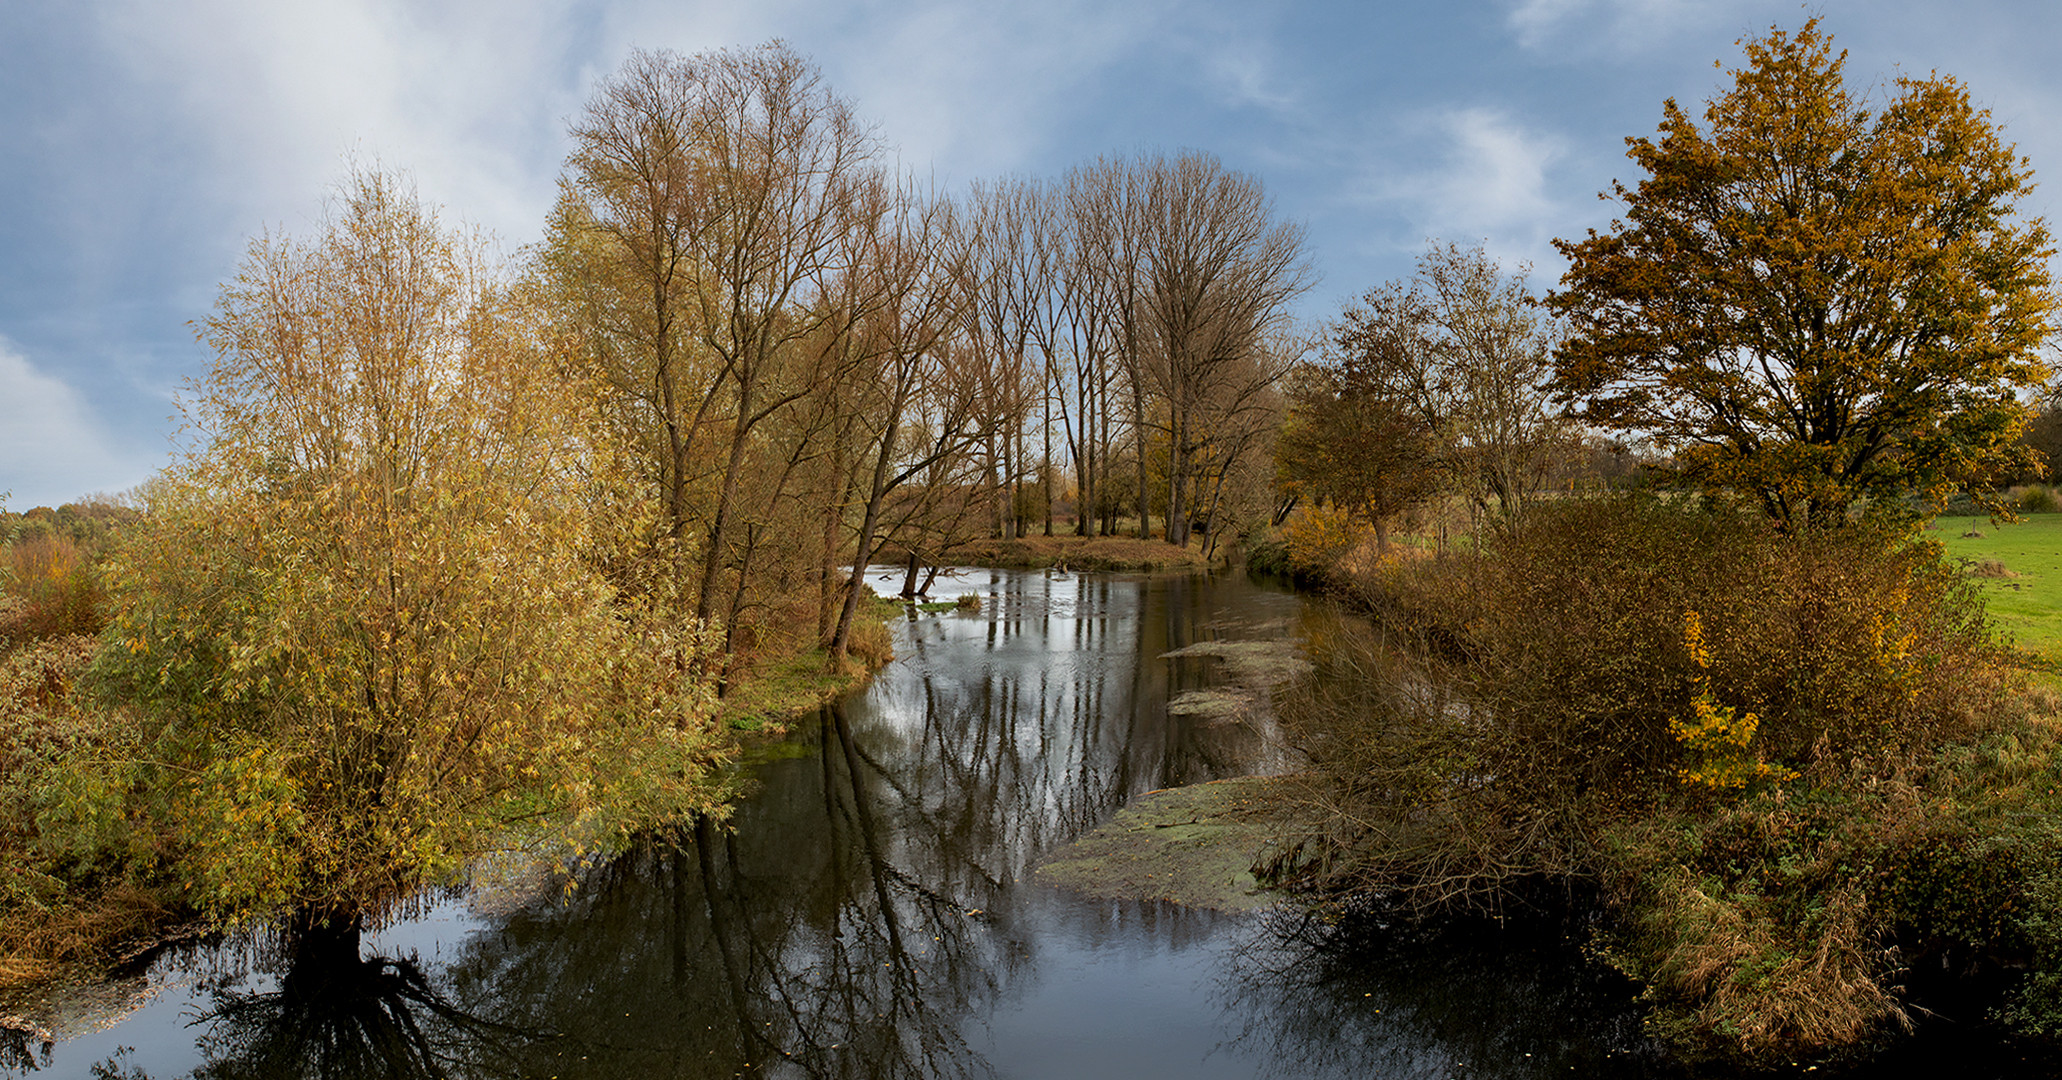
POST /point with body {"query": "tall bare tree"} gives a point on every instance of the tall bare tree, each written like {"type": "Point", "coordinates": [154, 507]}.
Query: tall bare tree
{"type": "Point", "coordinates": [926, 406]}
{"type": "Point", "coordinates": [724, 181]}
{"type": "Point", "coordinates": [1220, 272]}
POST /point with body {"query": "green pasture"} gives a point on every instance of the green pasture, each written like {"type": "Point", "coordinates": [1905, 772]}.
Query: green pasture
{"type": "Point", "coordinates": [2027, 602]}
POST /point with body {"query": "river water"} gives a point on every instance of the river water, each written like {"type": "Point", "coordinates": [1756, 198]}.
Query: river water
{"type": "Point", "coordinates": [868, 912]}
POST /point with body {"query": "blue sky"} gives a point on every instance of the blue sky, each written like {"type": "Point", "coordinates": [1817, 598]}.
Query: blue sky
{"type": "Point", "coordinates": [144, 142]}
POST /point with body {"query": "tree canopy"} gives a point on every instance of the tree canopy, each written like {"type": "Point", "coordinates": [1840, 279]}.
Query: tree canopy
{"type": "Point", "coordinates": [1812, 300]}
{"type": "Point", "coordinates": [1456, 358]}
{"type": "Point", "coordinates": [356, 626]}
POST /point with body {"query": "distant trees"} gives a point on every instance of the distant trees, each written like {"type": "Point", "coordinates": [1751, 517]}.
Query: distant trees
{"type": "Point", "coordinates": [1434, 382]}
{"type": "Point", "coordinates": [1812, 302]}
{"type": "Point", "coordinates": [1219, 273]}
{"type": "Point", "coordinates": [1184, 281]}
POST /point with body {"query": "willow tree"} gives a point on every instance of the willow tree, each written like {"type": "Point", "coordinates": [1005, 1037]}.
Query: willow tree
{"type": "Point", "coordinates": [1811, 300]}
{"type": "Point", "coordinates": [357, 623]}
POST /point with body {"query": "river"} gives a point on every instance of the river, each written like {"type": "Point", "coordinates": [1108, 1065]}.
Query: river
{"type": "Point", "coordinates": [868, 912]}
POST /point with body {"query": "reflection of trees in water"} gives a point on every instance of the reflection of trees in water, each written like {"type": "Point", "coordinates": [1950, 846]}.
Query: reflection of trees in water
{"type": "Point", "coordinates": [23, 1049]}
{"type": "Point", "coordinates": [337, 1015]}
{"type": "Point", "coordinates": [841, 924]}
{"type": "Point", "coordinates": [794, 941]}
{"type": "Point", "coordinates": [1058, 717]}
{"type": "Point", "coordinates": [1365, 998]}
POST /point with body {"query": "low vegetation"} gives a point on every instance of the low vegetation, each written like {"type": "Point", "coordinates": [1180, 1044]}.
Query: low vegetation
{"type": "Point", "coordinates": [1803, 773]}
{"type": "Point", "coordinates": [109, 841]}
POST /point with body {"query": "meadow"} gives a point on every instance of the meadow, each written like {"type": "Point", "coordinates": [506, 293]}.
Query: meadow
{"type": "Point", "coordinates": [2025, 594]}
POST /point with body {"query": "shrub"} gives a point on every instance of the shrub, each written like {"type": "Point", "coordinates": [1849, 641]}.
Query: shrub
{"type": "Point", "coordinates": [56, 586]}
{"type": "Point", "coordinates": [870, 643]}
{"type": "Point", "coordinates": [2037, 499]}
{"type": "Point", "coordinates": [1726, 729]}
{"type": "Point", "coordinates": [1315, 540]}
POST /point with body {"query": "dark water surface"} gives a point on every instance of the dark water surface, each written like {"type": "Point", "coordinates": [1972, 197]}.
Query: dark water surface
{"type": "Point", "coordinates": [869, 914]}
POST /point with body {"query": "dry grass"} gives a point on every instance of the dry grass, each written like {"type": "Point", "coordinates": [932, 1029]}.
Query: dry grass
{"type": "Point", "coordinates": [1774, 987]}
{"type": "Point", "coordinates": [54, 912]}
{"type": "Point", "coordinates": [37, 942]}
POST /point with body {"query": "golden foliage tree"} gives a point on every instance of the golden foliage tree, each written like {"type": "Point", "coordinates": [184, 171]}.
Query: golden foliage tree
{"type": "Point", "coordinates": [1811, 301]}
{"type": "Point", "coordinates": [358, 625]}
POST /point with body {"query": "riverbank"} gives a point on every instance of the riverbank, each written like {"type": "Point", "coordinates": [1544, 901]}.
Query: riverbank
{"type": "Point", "coordinates": [878, 866]}
{"type": "Point", "coordinates": [1802, 790]}
{"type": "Point", "coordinates": [1116, 554]}
{"type": "Point", "coordinates": [64, 919]}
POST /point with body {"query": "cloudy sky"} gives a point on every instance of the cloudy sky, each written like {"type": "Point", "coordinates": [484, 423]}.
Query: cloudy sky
{"type": "Point", "coordinates": [144, 142]}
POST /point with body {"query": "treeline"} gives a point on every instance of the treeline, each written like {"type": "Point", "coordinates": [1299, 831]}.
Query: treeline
{"type": "Point", "coordinates": [800, 354]}
{"type": "Point", "coordinates": [466, 548]}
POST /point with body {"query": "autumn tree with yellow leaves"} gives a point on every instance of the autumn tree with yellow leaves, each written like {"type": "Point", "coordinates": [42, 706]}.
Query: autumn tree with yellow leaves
{"type": "Point", "coordinates": [1815, 298]}
{"type": "Point", "coordinates": [358, 626]}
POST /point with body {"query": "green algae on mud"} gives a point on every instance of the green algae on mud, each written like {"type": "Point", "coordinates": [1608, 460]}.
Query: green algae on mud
{"type": "Point", "coordinates": [1193, 845]}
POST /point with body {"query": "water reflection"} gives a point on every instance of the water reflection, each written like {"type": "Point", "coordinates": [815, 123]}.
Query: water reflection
{"type": "Point", "coordinates": [861, 915]}
{"type": "Point", "coordinates": [855, 918]}
{"type": "Point", "coordinates": [337, 1015]}
{"type": "Point", "coordinates": [1364, 998]}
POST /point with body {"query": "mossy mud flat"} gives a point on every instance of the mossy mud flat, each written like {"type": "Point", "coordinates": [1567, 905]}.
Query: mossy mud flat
{"type": "Point", "coordinates": [1193, 845]}
{"type": "Point", "coordinates": [1248, 671]}
{"type": "Point", "coordinates": [1196, 845]}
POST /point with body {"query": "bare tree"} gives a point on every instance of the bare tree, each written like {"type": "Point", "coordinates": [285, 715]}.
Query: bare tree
{"type": "Point", "coordinates": [1464, 346]}
{"type": "Point", "coordinates": [924, 405]}
{"type": "Point", "coordinates": [1220, 274]}
{"type": "Point", "coordinates": [723, 182]}
{"type": "Point", "coordinates": [1105, 207]}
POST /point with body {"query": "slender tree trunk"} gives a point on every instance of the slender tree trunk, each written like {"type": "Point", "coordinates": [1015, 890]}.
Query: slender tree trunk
{"type": "Point", "coordinates": [712, 560]}
{"type": "Point", "coordinates": [864, 550]}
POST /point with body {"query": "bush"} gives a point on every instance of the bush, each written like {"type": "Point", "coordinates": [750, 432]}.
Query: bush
{"type": "Point", "coordinates": [1731, 734]}
{"type": "Point", "coordinates": [77, 877]}
{"type": "Point", "coordinates": [2036, 499]}
{"type": "Point", "coordinates": [57, 589]}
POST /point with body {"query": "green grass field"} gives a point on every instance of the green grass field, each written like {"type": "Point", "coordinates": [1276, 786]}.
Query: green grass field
{"type": "Point", "coordinates": [2028, 603]}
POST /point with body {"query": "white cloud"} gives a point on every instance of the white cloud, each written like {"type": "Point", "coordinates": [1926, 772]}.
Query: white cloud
{"type": "Point", "coordinates": [53, 448]}
{"type": "Point", "coordinates": [1489, 184]}
{"type": "Point", "coordinates": [1589, 27]}
{"type": "Point", "coordinates": [469, 97]}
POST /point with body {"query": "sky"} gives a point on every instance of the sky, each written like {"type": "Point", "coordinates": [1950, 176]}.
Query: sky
{"type": "Point", "coordinates": [145, 143]}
